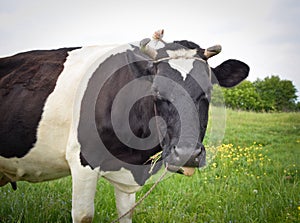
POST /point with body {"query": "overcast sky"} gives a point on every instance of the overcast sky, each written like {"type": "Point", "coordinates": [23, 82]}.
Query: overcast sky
{"type": "Point", "coordinates": [263, 33]}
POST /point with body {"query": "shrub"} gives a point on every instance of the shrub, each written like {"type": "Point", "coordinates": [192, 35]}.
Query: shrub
{"type": "Point", "coordinates": [269, 94]}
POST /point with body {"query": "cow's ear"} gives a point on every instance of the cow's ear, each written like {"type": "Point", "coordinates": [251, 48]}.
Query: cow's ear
{"type": "Point", "coordinates": [230, 73]}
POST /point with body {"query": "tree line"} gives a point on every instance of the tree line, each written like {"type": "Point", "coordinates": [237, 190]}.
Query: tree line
{"type": "Point", "coordinates": [269, 94]}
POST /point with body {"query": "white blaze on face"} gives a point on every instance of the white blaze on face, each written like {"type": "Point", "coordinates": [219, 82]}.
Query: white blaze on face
{"type": "Point", "coordinates": [184, 66]}
{"type": "Point", "coordinates": [182, 60]}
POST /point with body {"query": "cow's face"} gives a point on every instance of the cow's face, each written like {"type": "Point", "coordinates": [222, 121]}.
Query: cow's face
{"type": "Point", "coordinates": [182, 87]}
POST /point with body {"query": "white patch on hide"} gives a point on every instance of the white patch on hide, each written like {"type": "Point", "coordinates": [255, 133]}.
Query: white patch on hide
{"type": "Point", "coordinates": [122, 179]}
{"type": "Point", "coordinates": [182, 53]}
{"type": "Point", "coordinates": [184, 66]}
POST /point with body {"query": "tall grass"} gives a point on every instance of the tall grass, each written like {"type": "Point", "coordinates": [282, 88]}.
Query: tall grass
{"type": "Point", "coordinates": [253, 178]}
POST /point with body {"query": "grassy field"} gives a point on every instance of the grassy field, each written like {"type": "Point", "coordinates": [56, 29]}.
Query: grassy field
{"type": "Point", "coordinates": [255, 177]}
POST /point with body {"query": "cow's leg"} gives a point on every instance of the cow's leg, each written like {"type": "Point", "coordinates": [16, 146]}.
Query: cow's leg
{"type": "Point", "coordinates": [124, 201]}
{"type": "Point", "coordinates": [84, 183]}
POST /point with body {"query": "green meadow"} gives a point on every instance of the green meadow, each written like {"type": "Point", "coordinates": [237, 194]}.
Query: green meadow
{"type": "Point", "coordinates": [255, 177]}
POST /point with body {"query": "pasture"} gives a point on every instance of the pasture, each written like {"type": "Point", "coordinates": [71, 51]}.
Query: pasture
{"type": "Point", "coordinates": [255, 177]}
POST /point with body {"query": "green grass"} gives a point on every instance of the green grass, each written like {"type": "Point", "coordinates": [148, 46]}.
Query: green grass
{"type": "Point", "coordinates": [254, 178]}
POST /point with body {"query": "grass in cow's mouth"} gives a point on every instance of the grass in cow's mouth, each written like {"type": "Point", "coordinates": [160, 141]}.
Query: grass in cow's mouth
{"type": "Point", "coordinates": [154, 159]}
{"type": "Point", "coordinates": [254, 178]}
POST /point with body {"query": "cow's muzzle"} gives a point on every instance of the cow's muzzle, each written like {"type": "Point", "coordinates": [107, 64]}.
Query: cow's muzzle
{"type": "Point", "coordinates": [181, 157]}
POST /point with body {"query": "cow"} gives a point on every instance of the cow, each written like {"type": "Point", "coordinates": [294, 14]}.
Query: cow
{"type": "Point", "coordinates": [103, 111]}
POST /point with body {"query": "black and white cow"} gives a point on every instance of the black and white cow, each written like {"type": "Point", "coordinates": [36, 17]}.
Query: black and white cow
{"type": "Point", "coordinates": [102, 111]}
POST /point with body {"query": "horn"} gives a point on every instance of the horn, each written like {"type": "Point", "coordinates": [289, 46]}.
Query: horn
{"type": "Point", "coordinates": [146, 49]}
{"type": "Point", "coordinates": [212, 51]}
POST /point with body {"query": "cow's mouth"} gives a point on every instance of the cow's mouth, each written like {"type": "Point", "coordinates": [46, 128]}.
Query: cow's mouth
{"type": "Point", "coordinates": [187, 171]}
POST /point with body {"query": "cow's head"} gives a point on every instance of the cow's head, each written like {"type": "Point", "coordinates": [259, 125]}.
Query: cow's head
{"type": "Point", "coordinates": [182, 87]}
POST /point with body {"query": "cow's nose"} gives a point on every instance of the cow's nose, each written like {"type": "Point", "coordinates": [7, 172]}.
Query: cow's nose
{"type": "Point", "coordinates": [198, 158]}
{"type": "Point", "coordinates": [189, 156]}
